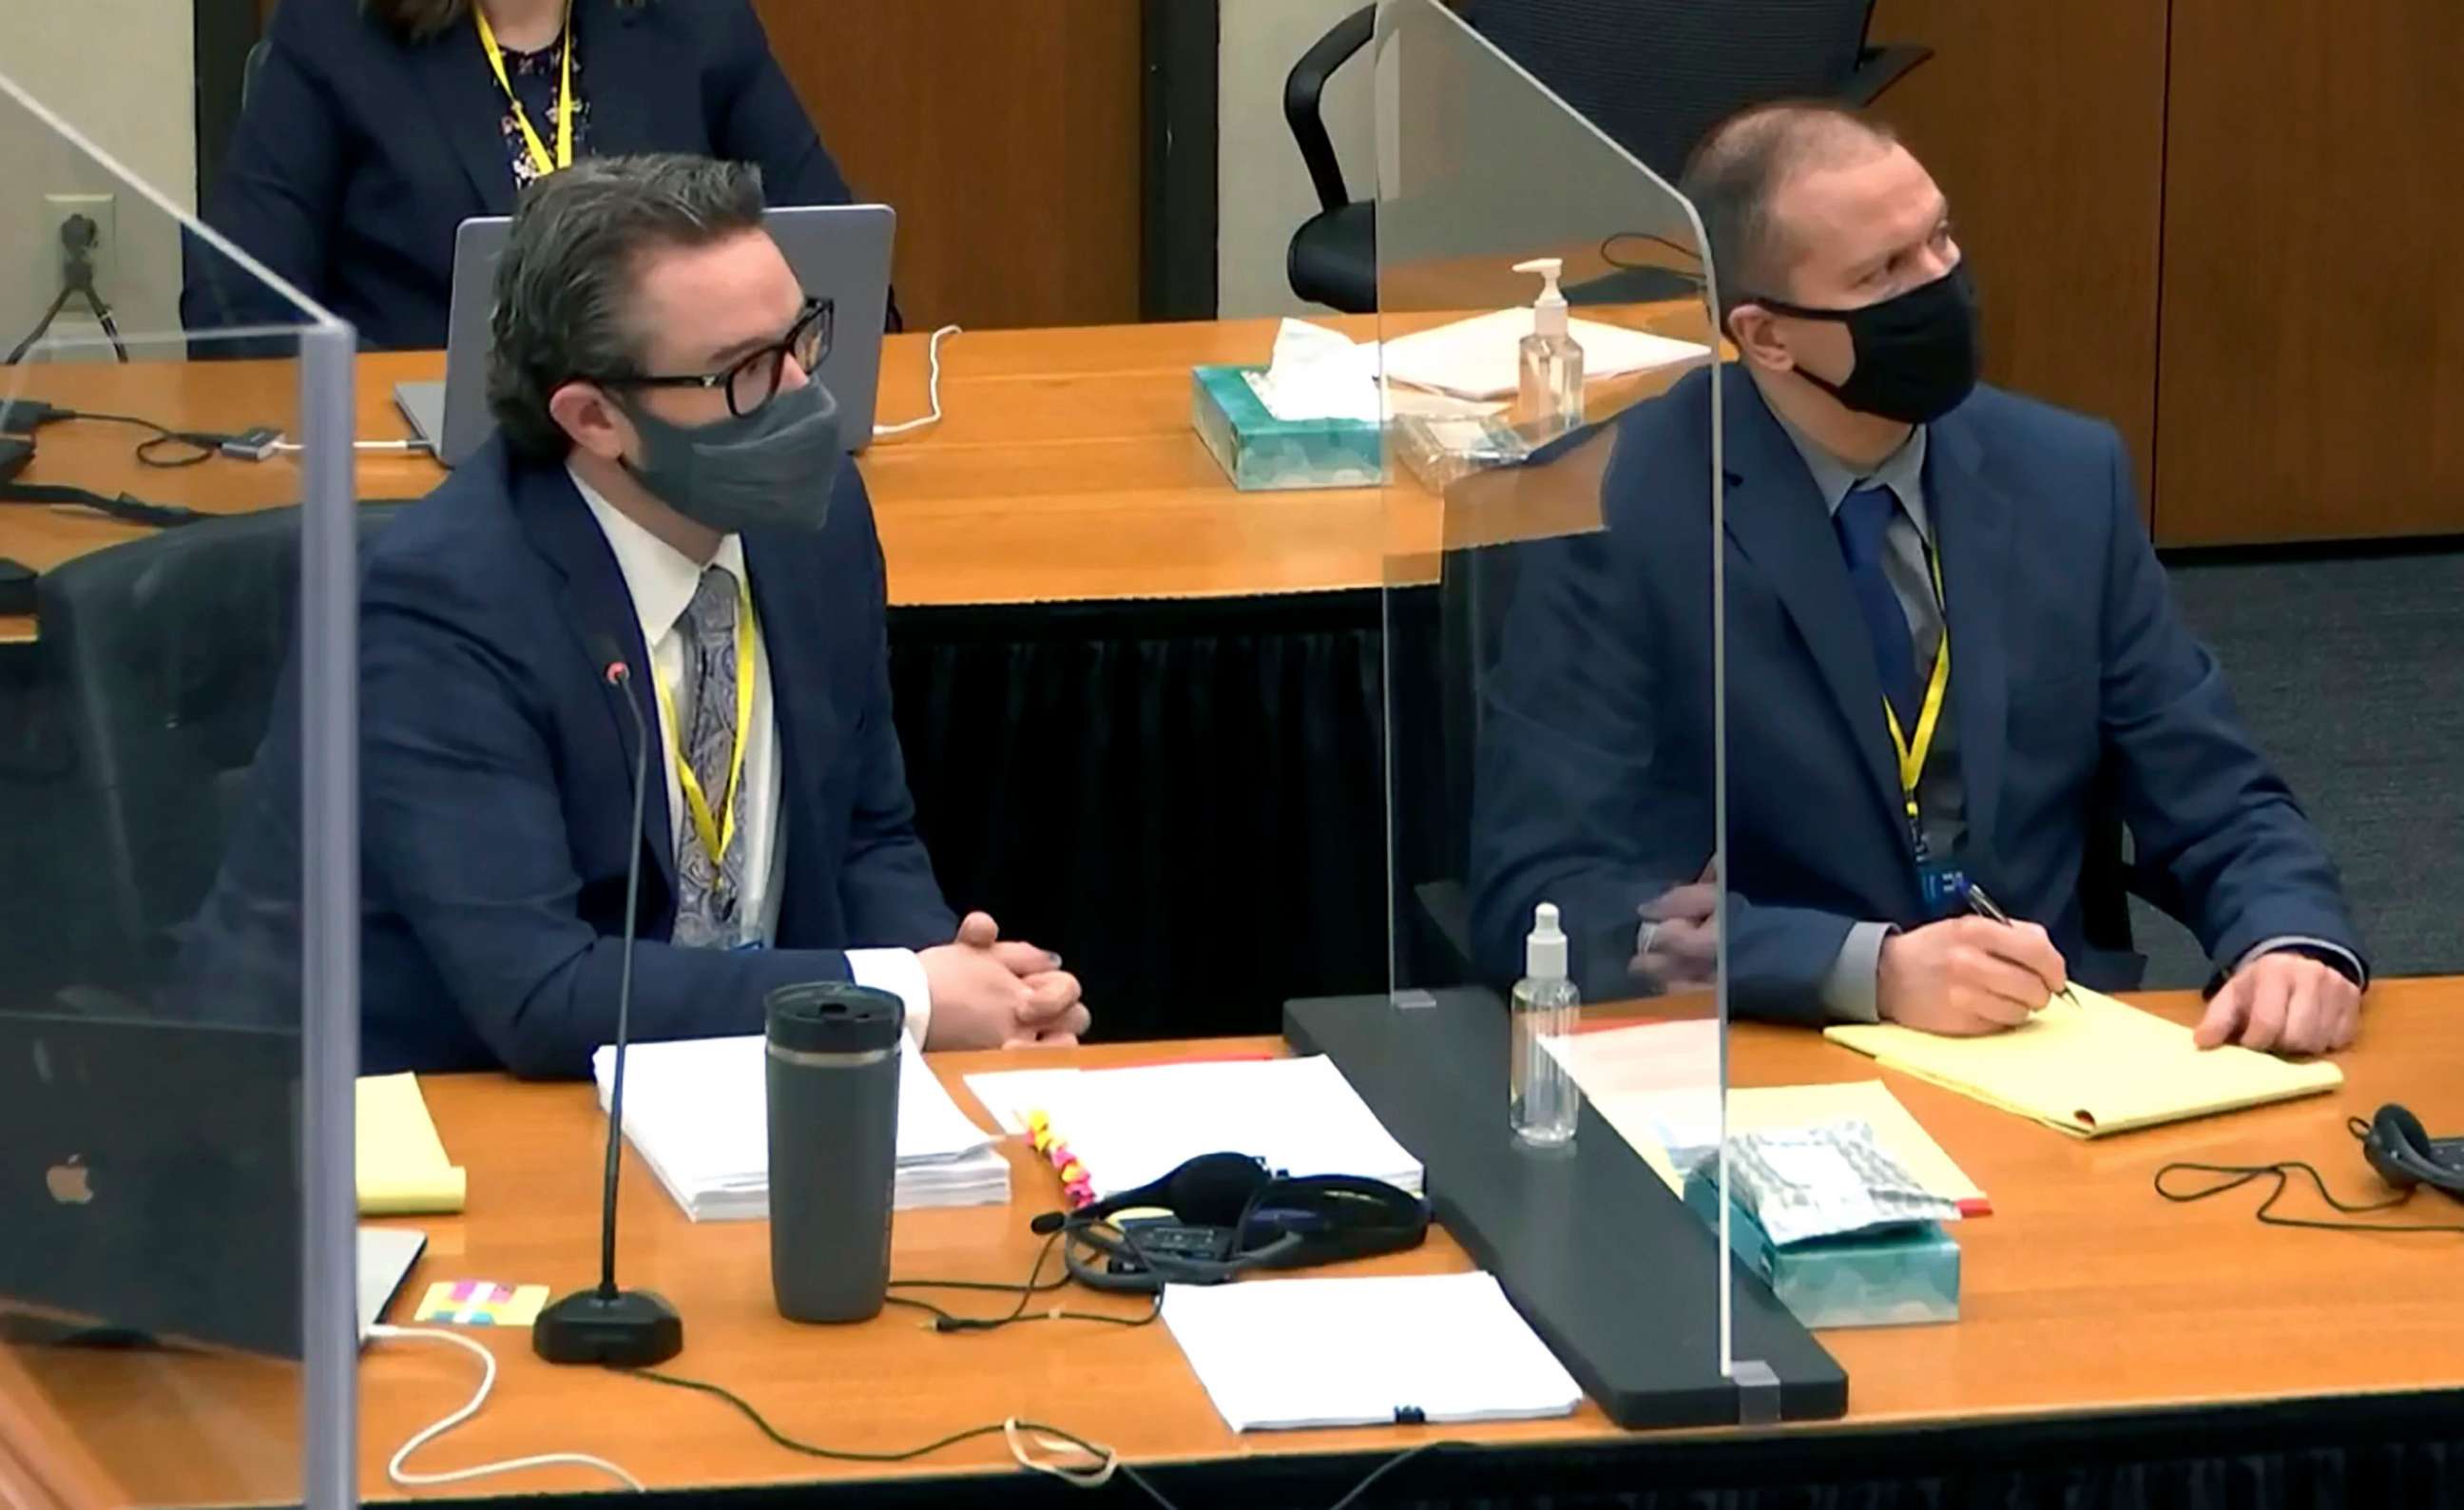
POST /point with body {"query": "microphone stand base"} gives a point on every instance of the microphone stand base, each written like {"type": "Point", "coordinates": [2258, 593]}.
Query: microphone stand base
{"type": "Point", "coordinates": [621, 1329]}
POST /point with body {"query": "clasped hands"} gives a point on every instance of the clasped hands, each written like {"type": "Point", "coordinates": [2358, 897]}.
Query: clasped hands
{"type": "Point", "coordinates": [989, 992]}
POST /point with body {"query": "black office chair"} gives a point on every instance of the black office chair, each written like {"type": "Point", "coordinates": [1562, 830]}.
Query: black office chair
{"type": "Point", "coordinates": [166, 653]}
{"type": "Point", "coordinates": [1653, 75]}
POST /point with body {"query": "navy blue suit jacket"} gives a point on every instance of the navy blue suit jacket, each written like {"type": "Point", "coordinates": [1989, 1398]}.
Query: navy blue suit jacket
{"type": "Point", "coordinates": [497, 769]}
{"type": "Point", "coordinates": [2070, 668]}
{"type": "Point", "coordinates": [359, 154]}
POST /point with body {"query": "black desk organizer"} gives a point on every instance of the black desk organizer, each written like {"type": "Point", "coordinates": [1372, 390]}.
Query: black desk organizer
{"type": "Point", "coordinates": [1608, 1266]}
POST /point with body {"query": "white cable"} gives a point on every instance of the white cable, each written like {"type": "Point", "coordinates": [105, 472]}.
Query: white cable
{"type": "Point", "coordinates": [408, 1480]}
{"type": "Point", "coordinates": [293, 447]}
{"type": "Point", "coordinates": [933, 391]}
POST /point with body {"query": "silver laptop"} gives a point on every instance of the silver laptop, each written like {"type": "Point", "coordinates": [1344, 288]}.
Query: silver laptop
{"type": "Point", "coordinates": [839, 251]}
{"type": "Point", "coordinates": [149, 1184]}
{"type": "Point", "coordinates": [386, 1256]}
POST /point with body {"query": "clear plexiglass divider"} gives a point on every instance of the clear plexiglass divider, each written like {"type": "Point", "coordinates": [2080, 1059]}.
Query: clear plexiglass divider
{"type": "Point", "coordinates": [178, 854]}
{"type": "Point", "coordinates": [1552, 404]}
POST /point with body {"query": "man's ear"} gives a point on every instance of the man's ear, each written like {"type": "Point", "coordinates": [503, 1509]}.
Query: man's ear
{"type": "Point", "coordinates": [591, 418]}
{"type": "Point", "coordinates": [1756, 334]}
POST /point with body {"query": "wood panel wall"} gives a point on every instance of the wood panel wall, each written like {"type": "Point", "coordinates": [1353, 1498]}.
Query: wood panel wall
{"type": "Point", "coordinates": [2313, 300]}
{"type": "Point", "coordinates": [2043, 121]}
{"type": "Point", "coordinates": [1007, 135]}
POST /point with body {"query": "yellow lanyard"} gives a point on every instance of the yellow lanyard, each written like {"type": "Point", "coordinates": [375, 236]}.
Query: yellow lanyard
{"type": "Point", "coordinates": [717, 834]}
{"type": "Point", "coordinates": [563, 98]}
{"type": "Point", "coordinates": [1912, 757]}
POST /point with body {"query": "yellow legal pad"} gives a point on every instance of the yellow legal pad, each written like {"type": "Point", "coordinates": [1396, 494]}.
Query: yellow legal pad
{"type": "Point", "coordinates": [2097, 1068]}
{"type": "Point", "coordinates": [402, 1163]}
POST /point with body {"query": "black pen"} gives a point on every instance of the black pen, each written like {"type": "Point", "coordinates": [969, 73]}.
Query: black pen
{"type": "Point", "coordinates": [1986, 907]}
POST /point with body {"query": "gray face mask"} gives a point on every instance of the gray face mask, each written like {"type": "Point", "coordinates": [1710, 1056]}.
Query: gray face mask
{"type": "Point", "coordinates": [773, 468]}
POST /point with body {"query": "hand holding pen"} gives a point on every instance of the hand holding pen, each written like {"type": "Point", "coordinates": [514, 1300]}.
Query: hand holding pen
{"type": "Point", "coordinates": [1967, 976]}
{"type": "Point", "coordinates": [1986, 906]}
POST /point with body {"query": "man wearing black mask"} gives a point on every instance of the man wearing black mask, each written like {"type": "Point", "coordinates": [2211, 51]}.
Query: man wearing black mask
{"type": "Point", "coordinates": [1883, 509]}
{"type": "Point", "coordinates": [669, 489]}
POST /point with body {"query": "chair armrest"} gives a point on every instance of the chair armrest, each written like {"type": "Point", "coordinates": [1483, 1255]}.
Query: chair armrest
{"type": "Point", "coordinates": [1301, 89]}
{"type": "Point", "coordinates": [1878, 68]}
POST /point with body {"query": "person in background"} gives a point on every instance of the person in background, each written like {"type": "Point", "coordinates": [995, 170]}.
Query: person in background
{"type": "Point", "coordinates": [667, 516]}
{"type": "Point", "coordinates": [372, 129]}
{"type": "Point", "coordinates": [1884, 509]}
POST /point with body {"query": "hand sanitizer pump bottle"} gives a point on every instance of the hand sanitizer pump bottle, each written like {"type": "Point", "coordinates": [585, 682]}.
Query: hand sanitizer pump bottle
{"type": "Point", "coordinates": [1551, 399]}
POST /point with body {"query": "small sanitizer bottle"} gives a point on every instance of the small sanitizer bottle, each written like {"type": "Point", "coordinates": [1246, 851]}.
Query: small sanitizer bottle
{"type": "Point", "coordinates": [1551, 398]}
{"type": "Point", "coordinates": [1541, 1100]}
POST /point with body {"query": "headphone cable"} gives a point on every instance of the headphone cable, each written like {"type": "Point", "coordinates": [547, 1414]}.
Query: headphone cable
{"type": "Point", "coordinates": [2233, 1176]}
{"type": "Point", "coordinates": [947, 1322]}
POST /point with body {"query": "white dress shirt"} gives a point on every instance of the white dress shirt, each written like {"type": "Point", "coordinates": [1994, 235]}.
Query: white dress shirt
{"type": "Point", "coordinates": [661, 581]}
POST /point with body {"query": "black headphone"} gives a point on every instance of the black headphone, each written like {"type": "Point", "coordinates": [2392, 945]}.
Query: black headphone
{"type": "Point", "coordinates": [2405, 1157]}
{"type": "Point", "coordinates": [1230, 1216]}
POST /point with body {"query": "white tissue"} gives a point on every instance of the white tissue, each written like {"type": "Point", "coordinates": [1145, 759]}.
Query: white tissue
{"type": "Point", "coordinates": [1317, 374]}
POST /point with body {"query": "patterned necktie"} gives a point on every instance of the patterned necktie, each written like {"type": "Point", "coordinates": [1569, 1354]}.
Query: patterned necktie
{"type": "Point", "coordinates": [710, 893]}
{"type": "Point", "coordinates": [1864, 524]}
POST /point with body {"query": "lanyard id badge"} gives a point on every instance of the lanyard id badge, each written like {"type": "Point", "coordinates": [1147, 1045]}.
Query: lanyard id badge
{"type": "Point", "coordinates": [531, 143]}
{"type": "Point", "coordinates": [1942, 881]}
{"type": "Point", "coordinates": [1943, 884]}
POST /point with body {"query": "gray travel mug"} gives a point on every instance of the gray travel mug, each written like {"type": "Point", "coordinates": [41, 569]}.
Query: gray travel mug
{"type": "Point", "coordinates": [833, 1087]}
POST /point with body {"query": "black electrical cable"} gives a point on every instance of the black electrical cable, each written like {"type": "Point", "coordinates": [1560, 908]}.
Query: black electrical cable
{"type": "Point", "coordinates": [42, 326]}
{"type": "Point", "coordinates": [203, 445]}
{"type": "Point", "coordinates": [1624, 265]}
{"type": "Point", "coordinates": [1035, 1284]}
{"type": "Point", "coordinates": [2233, 1176]}
{"type": "Point", "coordinates": [779, 1438]}
{"type": "Point", "coordinates": [110, 326]}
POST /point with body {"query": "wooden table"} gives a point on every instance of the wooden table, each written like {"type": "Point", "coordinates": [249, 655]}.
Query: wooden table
{"type": "Point", "coordinates": [1065, 468]}
{"type": "Point", "coordinates": [2080, 1280]}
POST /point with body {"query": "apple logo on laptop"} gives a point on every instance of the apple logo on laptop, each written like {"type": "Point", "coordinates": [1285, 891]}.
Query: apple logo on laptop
{"type": "Point", "coordinates": [70, 1183]}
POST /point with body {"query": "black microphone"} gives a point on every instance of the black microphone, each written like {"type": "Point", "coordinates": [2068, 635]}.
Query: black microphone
{"type": "Point", "coordinates": [621, 1328]}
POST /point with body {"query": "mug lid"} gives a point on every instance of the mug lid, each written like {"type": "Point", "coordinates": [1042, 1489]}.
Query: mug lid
{"type": "Point", "coordinates": [833, 1017]}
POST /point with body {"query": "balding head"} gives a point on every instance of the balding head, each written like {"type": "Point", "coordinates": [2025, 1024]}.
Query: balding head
{"type": "Point", "coordinates": [1738, 175]}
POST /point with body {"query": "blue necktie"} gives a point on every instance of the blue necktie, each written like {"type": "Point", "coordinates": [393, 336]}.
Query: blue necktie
{"type": "Point", "coordinates": [1864, 521]}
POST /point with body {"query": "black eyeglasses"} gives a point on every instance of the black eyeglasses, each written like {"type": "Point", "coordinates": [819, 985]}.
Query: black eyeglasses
{"type": "Point", "coordinates": [752, 380]}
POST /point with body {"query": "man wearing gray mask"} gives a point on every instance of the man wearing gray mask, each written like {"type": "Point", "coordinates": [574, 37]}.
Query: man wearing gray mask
{"type": "Point", "coordinates": [666, 514]}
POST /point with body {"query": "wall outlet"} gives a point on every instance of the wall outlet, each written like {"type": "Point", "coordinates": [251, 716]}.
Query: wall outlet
{"type": "Point", "coordinates": [103, 211]}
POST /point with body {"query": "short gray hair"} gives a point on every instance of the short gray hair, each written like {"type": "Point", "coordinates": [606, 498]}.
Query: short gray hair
{"type": "Point", "coordinates": [1738, 169]}
{"type": "Point", "coordinates": [566, 284]}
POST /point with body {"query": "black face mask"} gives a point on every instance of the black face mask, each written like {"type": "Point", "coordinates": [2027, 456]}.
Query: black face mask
{"type": "Point", "coordinates": [1916, 352]}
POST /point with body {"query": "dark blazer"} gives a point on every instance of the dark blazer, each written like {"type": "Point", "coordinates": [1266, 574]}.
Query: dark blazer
{"type": "Point", "coordinates": [359, 154]}
{"type": "Point", "coordinates": [2070, 670]}
{"type": "Point", "coordinates": [497, 769]}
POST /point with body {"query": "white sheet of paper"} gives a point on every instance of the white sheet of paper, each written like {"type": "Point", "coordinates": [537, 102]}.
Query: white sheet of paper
{"type": "Point", "coordinates": [1449, 1346]}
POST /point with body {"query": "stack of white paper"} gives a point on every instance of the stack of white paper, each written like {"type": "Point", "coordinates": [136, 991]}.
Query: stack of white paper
{"type": "Point", "coordinates": [1128, 1127]}
{"type": "Point", "coordinates": [1430, 1348]}
{"type": "Point", "coordinates": [697, 1112]}
{"type": "Point", "coordinates": [1479, 357]}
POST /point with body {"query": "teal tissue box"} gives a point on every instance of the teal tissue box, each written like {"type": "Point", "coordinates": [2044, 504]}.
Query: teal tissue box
{"type": "Point", "coordinates": [1258, 452]}
{"type": "Point", "coordinates": [1892, 1278]}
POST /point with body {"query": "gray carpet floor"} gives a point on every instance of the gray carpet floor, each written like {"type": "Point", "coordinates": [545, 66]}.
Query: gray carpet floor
{"type": "Point", "coordinates": [2351, 675]}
